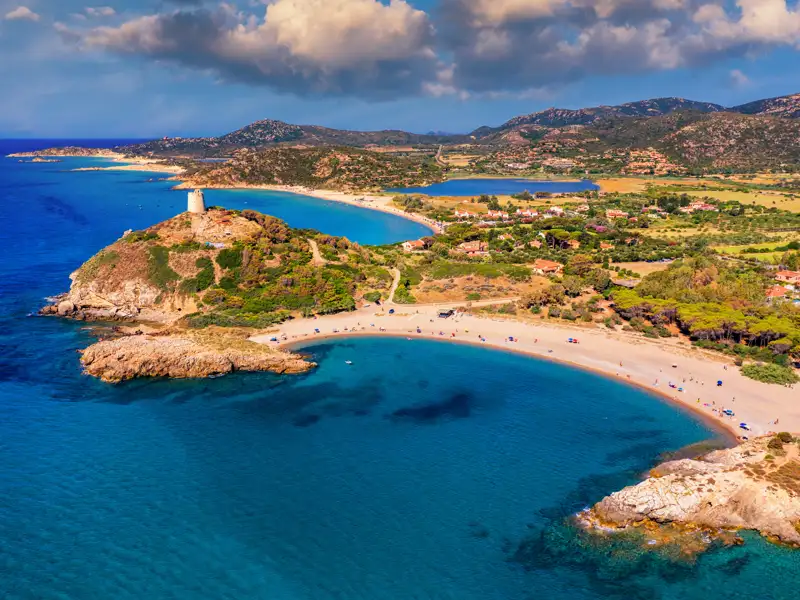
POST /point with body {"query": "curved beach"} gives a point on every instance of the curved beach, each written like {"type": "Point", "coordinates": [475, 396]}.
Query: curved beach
{"type": "Point", "coordinates": [632, 359]}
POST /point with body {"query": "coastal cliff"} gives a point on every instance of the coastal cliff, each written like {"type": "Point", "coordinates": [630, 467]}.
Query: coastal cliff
{"type": "Point", "coordinates": [232, 273]}
{"type": "Point", "coordinates": [754, 486]}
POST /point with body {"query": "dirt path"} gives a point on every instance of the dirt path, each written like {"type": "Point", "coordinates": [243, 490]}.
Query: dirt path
{"type": "Point", "coordinates": [395, 284]}
{"type": "Point", "coordinates": [318, 260]}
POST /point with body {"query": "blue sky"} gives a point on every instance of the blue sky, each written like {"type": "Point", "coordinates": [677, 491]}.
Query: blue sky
{"type": "Point", "coordinates": [148, 68]}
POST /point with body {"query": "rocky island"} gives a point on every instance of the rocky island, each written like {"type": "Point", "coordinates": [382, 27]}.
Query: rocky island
{"type": "Point", "coordinates": [69, 151]}
{"type": "Point", "coordinates": [198, 285]}
{"type": "Point", "coordinates": [753, 486]}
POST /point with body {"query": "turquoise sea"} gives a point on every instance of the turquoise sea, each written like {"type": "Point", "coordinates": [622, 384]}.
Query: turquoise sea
{"type": "Point", "coordinates": [424, 471]}
{"type": "Point", "coordinates": [498, 187]}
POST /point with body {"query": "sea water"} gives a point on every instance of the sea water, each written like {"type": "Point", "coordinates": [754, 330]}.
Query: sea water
{"type": "Point", "coordinates": [498, 187]}
{"type": "Point", "coordinates": [423, 470]}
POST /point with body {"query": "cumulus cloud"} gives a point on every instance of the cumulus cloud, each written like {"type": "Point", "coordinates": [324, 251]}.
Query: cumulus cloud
{"type": "Point", "coordinates": [516, 44]}
{"type": "Point", "coordinates": [489, 48]}
{"type": "Point", "coordinates": [360, 47]}
{"type": "Point", "coordinates": [100, 11]}
{"type": "Point", "coordinates": [22, 13]}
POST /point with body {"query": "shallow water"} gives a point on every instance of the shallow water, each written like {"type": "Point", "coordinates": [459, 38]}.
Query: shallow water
{"type": "Point", "coordinates": [476, 187]}
{"type": "Point", "coordinates": [425, 470]}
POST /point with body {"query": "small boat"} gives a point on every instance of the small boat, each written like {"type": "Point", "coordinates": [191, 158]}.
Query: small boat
{"type": "Point", "coordinates": [348, 362]}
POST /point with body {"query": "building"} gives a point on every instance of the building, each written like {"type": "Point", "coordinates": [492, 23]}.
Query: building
{"type": "Point", "coordinates": [792, 277]}
{"type": "Point", "coordinates": [506, 236]}
{"type": "Point", "coordinates": [606, 246]}
{"type": "Point", "coordinates": [196, 202]}
{"type": "Point", "coordinates": [698, 207]}
{"type": "Point", "coordinates": [531, 214]}
{"type": "Point", "coordinates": [474, 248]}
{"type": "Point", "coordinates": [613, 213]}
{"type": "Point", "coordinates": [555, 211]}
{"type": "Point", "coordinates": [498, 214]}
{"type": "Point", "coordinates": [535, 244]}
{"type": "Point", "coordinates": [414, 246]}
{"type": "Point", "coordinates": [574, 244]}
{"type": "Point", "coordinates": [464, 214]}
{"type": "Point", "coordinates": [776, 294]}
{"type": "Point", "coordinates": [547, 267]}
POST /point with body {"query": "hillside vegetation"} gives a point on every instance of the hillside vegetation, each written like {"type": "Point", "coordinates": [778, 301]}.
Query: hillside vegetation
{"type": "Point", "coordinates": [332, 168]}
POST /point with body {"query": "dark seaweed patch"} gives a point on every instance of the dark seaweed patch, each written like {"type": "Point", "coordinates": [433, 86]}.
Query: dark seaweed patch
{"type": "Point", "coordinates": [458, 406]}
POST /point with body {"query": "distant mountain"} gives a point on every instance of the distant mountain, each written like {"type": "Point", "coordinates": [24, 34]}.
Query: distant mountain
{"type": "Point", "coordinates": [559, 117]}
{"type": "Point", "coordinates": [783, 106]}
{"type": "Point", "coordinates": [269, 132]}
{"type": "Point", "coordinates": [522, 130]}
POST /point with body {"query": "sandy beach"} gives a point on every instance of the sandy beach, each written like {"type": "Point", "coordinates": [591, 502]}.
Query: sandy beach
{"type": "Point", "coordinates": [632, 359]}
{"type": "Point", "coordinates": [137, 164]}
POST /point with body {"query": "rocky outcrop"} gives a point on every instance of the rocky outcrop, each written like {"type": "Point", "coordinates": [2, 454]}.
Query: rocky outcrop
{"type": "Point", "coordinates": [754, 486]}
{"type": "Point", "coordinates": [76, 151]}
{"type": "Point", "coordinates": [185, 355]}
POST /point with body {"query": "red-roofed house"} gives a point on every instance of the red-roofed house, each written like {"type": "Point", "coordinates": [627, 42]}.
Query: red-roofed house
{"type": "Point", "coordinates": [474, 248]}
{"type": "Point", "coordinates": [547, 267]}
{"type": "Point", "coordinates": [792, 277]}
{"type": "Point", "coordinates": [776, 293]}
{"type": "Point", "coordinates": [616, 214]}
{"type": "Point", "coordinates": [414, 245]}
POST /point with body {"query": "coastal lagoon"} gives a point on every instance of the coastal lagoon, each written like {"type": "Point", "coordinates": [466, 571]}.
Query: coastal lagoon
{"type": "Point", "coordinates": [423, 470]}
{"type": "Point", "coordinates": [498, 187]}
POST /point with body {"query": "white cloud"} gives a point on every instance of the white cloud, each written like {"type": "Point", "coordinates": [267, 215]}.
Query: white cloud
{"type": "Point", "coordinates": [738, 79]}
{"type": "Point", "coordinates": [306, 46]}
{"type": "Point", "coordinates": [100, 11]}
{"type": "Point", "coordinates": [22, 13]}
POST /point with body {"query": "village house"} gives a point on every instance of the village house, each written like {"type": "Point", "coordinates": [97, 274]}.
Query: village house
{"type": "Point", "coordinates": [606, 246]}
{"type": "Point", "coordinates": [613, 213]}
{"type": "Point", "coordinates": [547, 267]}
{"type": "Point", "coordinates": [535, 244]}
{"type": "Point", "coordinates": [506, 236]}
{"type": "Point", "coordinates": [474, 248]}
{"type": "Point", "coordinates": [698, 207]}
{"type": "Point", "coordinates": [532, 214]}
{"type": "Point", "coordinates": [574, 244]}
{"type": "Point", "coordinates": [776, 294]}
{"type": "Point", "coordinates": [464, 214]}
{"type": "Point", "coordinates": [414, 246]}
{"type": "Point", "coordinates": [792, 277]}
{"type": "Point", "coordinates": [555, 211]}
{"type": "Point", "coordinates": [584, 208]}
{"type": "Point", "coordinates": [498, 214]}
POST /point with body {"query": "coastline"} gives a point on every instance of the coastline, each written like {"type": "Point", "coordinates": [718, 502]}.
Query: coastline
{"type": "Point", "coordinates": [635, 361]}
{"type": "Point", "coordinates": [725, 430]}
{"type": "Point", "coordinates": [370, 201]}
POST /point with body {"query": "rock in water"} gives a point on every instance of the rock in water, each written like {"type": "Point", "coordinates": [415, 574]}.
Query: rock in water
{"type": "Point", "coordinates": [753, 486]}
{"type": "Point", "coordinates": [184, 355]}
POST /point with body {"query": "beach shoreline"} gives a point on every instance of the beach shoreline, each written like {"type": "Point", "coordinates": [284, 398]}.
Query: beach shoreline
{"type": "Point", "coordinates": [372, 201]}
{"type": "Point", "coordinates": [630, 360]}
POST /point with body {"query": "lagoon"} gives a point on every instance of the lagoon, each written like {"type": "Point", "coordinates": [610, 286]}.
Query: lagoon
{"type": "Point", "coordinates": [498, 187]}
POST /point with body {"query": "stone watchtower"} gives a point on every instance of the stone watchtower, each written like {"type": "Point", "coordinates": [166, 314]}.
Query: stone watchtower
{"type": "Point", "coordinates": [197, 203]}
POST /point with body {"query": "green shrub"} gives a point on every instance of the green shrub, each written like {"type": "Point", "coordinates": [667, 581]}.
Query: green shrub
{"type": "Point", "coordinates": [775, 444]}
{"type": "Point", "coordinates": [771, 373]}
{"type": "Point", "coordinates": [230, 258]}
{"type": "Point", "coordinates": [473, 297]}
{"type": "Point", "coordinates": [141, 236]}
{"type": "Point", "coordinates": [372, 296]}
{"type": "Point", "coordinates": [785, 437]}
{"type": "Point", "coordinates": [159, 272]}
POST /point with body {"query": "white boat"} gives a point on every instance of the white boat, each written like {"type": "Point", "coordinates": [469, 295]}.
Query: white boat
{"type": "Point", "coordinates": [348, 362]}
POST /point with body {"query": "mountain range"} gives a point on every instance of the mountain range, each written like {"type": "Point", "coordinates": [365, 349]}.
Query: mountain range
{"type": "Point", "coordinates": [645, 120]}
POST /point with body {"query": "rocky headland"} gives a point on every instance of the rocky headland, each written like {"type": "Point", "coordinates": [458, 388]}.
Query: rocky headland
{"type": "Point", "coordinates": [753, 486]}
{"type": "Point", "coordinates": [185, 354]}
{"type": "Point", "coordinates": [69, 151]}
{"type": "Point", "coordinates": [199, 285]}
